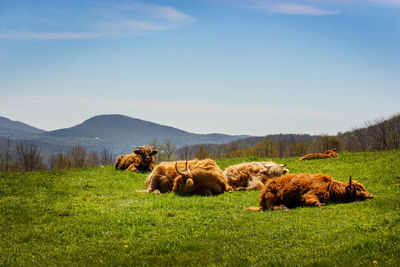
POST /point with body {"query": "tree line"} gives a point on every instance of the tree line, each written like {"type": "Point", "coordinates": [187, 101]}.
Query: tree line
{"type": "Point", "coordinates": [26, 156]}
{"type": "Point", "coordinates": [377, 135]}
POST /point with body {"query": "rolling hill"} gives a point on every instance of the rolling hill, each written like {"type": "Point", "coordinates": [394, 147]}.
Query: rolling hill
{"type": "Point", "coordinates": [16, 129]}
{"type": "Point", "coordinates": [120, 134]}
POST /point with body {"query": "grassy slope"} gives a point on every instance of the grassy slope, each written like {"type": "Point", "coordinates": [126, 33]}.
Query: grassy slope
{"type": "Point", "coordinates": [106, 215]}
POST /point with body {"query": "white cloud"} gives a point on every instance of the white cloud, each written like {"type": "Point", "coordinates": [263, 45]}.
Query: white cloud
{"type": "Point", "coordinates": [168, 12]}
{"type": "Point", "coordinates": [309, 7]}
{"type": "Point", "coordinates": [300, 9]}
{"type": "Point", "coordinates": [74, 110]}
{"type": "Point", "coordinates": [52, 35]}
{"type": "Point", "coordinates": [290, 8]}
{"type": "Point", "coordinates": [104, 20]}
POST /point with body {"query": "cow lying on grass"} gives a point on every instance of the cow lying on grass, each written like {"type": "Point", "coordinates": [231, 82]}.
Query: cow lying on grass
{"type": "Point", "coordinates": [330, 153]}
{"type": "Point", "coordinates": [142, 159]}
{"type": "Point", "coordinates": [293, 190]}
{"type": "Point", "coordinates": [205, 178]}
{"type": "Point", "coordinates": [252, 175]}
{"type": "Point", "coordinates": [201, 177]}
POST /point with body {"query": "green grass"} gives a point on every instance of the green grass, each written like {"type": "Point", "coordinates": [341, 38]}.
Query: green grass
{"type": "Point", "coordinates": [105, 214]}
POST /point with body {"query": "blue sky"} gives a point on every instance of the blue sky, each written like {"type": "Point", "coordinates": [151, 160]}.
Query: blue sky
{"type": "Point", "coordinates": [237, 67]}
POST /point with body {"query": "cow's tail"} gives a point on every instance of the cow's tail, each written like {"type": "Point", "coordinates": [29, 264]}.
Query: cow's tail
{"type": "Point", "coordinates": [253, 208]}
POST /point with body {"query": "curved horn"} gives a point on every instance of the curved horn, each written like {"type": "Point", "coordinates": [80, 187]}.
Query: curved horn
{"type": "Point", "coordinates": [350, 181]}
{"type": "Point", "coordinates": [178, 171]}
{"type": "Point", "coordinates": [283, 165]}
{"type": "Point", "coordinates": [187, 168]}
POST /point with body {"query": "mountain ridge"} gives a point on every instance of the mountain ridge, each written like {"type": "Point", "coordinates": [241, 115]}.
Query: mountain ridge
{"type": "Point", "coordinates": [17, 129]}
{"type": "Point", "coordinates": [120, 134]}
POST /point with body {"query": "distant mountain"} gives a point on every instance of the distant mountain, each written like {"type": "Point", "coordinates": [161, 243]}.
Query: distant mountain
{"type": "Point", "coordinates": [121, 134]}
{"type": "Point", "coordinates": [16, 129]}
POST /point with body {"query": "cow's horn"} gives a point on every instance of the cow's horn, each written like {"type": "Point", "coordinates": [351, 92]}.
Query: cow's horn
{"type": "Point", "coordinates": [187, 168]}
{"type": "Point", "coordinates": [178, 171]}
{"type": "Point", "coordinates": [350, 181]}
{"type": "Point", "coordinates": [283, 165]}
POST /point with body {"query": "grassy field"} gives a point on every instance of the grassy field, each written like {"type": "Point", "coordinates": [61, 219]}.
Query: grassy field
{"type": "Point", "coordinates": [93, 217]}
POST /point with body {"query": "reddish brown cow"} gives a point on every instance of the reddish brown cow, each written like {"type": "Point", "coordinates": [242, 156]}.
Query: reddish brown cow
{"type": "Point", "coordinates": [330, 153]}
{"type": "Point", "coordinates": [293, 190]}
{"type": "Point", "coordinates": [142, 159]}
{"type": "Point", "coordinates": [205, 178]}
{"type": "Point", "coordinates": [202, 177]}
{"type": "Point", "coordinates": [253, 175]}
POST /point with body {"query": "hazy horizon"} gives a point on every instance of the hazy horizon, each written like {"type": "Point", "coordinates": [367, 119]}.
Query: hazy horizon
{"type": "Point", "coordinates": [362, 125]}
{"type": "Point", "coordinates": [253, 67]}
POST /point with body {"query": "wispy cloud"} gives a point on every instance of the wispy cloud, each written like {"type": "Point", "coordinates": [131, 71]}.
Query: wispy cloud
{"type": "Point", "coordinates": [89, 103]}
{"type": "Point", "coordinates": [168, 12]}
{"type": "Point", "coordinates": [102, 20]}
{"type": "Point", "coordinates": [290, 8]}
{"type": "Point", "coordinates": [210, 117]}
{"type": "Point", "coordinates": [309, 7]}
{"type": "Point", "coordinates": [300, 9]}
{"type": "Point", "coordinates": [385, 2]}
{"type": "Point", "coordinates": [52, 35]}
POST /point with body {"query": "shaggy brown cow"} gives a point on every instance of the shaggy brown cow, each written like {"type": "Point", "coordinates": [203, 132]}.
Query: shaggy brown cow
{"type": "Point", "coordinates": [205, 178]}
{"type": "Point", "coordinates": [330, 153]}
{"type": "Point", "coordinates": [167, 177]}
{"type": "Point", "coordinates": [142, 159]}
{"type": "Point", "coordinates": [293, 190]}
{"type": "Point", "coordinates": [252, 175]}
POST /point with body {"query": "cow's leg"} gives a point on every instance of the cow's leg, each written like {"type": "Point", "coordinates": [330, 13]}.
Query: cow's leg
{"type": "Point", "coordinates": [281, 207]}
{"type": "Point", "coordinates": [256, 186]}
{"type": "Point", "coordinates": [132, 168]}
{"type": "Point", "coordinates": [239, 188]}
{"type": "Point", "coordinates": [207, 192]}
{"type": "Point", "coordinates": [310, 199]}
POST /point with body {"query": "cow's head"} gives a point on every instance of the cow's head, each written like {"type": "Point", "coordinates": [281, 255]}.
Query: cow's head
{"type": "Point", "coordinates": [184, 181]}
{"type": "Point", "coordinates": [331, 152]}
{"type": "Point", "coordinates": [357, 191]}
{"type": "Point", "coordinates": [146, 152]}
{"type": "Point", "coordinates": [275, 170]}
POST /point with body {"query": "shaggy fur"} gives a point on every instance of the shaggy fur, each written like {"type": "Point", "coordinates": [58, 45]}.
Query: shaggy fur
{"type": "Point", "coordinates": [331, 153]}
{"type": "Point", "coordinates": [142, 159]}
{"type": "Point", "coordinates": [252, 175]}
{"type": "Point", "coordinates": [293, 190]}
{"type": "Point", "coordinates": [203, 177]}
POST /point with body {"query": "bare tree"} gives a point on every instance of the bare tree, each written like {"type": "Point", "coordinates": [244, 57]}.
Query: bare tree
{"type": "Point", "coordinates": [28, 156]}
{"type": "Point", "coordinates": [6, 159]}
{"type": "Point", "coordinates": [158, 146]}
{"type": "Point", "coordinates": [326, 142]}
{"type": "Point", "coordinates": [93, 159]}
{"type": "Point", "coordinates": [202, 153]}
{"type": "Point", "coordinates": [186, 152]}
{"type": "Point", "coordinates": [60, 162]}
{"type": "Point", "coordinates": [168, 149]}
{"type": "Point", "coordinates": [106, 157]}
{"type": "Point", "coordinates": [394, 133]}
{"type": "Point", "coordinates": [77, 156]}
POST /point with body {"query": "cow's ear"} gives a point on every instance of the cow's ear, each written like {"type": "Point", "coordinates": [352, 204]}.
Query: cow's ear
{"type": "Point", "coordinates": [153, 152]}
{"type": "Point", "coordinates": [348, 189]}
{"type": "Point", "coordinates": [334, 149]}
{"type": "Point", "coordinates": [137, 151]}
